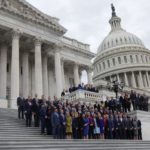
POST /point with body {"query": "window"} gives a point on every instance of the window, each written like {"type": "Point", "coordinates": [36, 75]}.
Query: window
{"type": "Point", "coordinates": [114, 61]}
{"type": "Point", "coordinates": [120, 40]}
{"type": "Point", "coordinates": [131, 58]}
{"type": "Point", "coordinates": [100, 67]}
{"type": "Point", "coordinates": [137, 59]}
{"type": "Point", "coordinates": [108, 63]}
{"type": "Point", "coordinates": [104, 65]}
{"type": "Point", "coordinates": [119, 60]}
{"type": "Point", "coordinates": [125, 59]}
{"type": "Point", "coordinates": [96, 68]}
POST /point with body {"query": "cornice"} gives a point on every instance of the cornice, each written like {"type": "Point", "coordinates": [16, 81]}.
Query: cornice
{"type": "Point", "coordinates": [120, 51]}
{"type": "Point", "coordinates": [120, 70]}
{"type": "Point", "coordinates": [23, 9]}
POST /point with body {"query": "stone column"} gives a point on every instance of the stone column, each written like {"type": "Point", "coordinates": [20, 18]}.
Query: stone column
{"type": "Point", "coordinates": [76, 74]}
{"type": "Point", "coordinates": [25, 63]}
{"type": "Point", "coordinates": [63, 74]}
{"type": "Point", "coordinates": [118, 78]}
{"type": "Point", "coordinates": [3, 71]}
{"type": "Point", "coordinates": [126, 79]}
{"type": "Point", "coordinates": [14, 69]}
{"type": "Point", "coordinates": [38, 69]}
{"type": "Point", "coordinates": [45, 76]}
{"type": "Point", "coordinates": [133, 80]}
{"type": "Point", "coordinates": [147, 76]}
{"type": "Point", "coordinates": [89, 75]}
{"type": "Point", "coordinates": [111, 80]}
{"type": "Point", "coordinates": [140, 80]}
{"type": "Point", "coordinates": [58, 73]}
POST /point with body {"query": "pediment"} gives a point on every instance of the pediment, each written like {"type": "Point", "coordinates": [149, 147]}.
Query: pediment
{"type": "Point", "coordinates": [23, 9]}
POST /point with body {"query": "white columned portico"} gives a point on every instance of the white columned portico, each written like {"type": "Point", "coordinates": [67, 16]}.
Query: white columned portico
{"type": "Point", "coordinates": [38, 69]}
{"type": "Point", "coordinates": [140, 80]}
{"type": "Point", "coordinates": [126, 79]}
{"type": "Point", "coordinates": [3, 71]}
{"type": "Point", "coordinates": [89, 75]}
{"type": "Point", "coordinates": [14, 69]}
{"type": "Point", "coordinates": [45, 77]}
{"type": "Point", "coordinates": [58, 73]}
{"type": "Point", "coordinates": [76, 74]}
{"type": "Point", "coordinates": [25, 62]}
{"type": "Point", "coordinates": [133, 80]}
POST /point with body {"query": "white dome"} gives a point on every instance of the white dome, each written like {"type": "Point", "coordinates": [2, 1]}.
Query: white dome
{"type": "Point", "coordinates": [119, 38]}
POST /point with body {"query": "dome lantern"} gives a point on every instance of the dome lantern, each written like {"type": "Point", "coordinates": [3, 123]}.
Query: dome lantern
{"type": "Point", "coordinates": [115, 20]}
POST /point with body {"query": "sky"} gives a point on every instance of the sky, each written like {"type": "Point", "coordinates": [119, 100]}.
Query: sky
{"type": "Point", "coordinates": [87, 20]}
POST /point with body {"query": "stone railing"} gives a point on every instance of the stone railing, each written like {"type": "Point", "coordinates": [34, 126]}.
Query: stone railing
{"type": "Point", "coordinates": [86, 96]}
{"type": "Point", "coordinates": [75, 43]}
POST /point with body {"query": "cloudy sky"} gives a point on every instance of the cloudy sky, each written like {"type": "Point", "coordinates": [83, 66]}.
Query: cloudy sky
{"type": "Point", "coordinates": [87, 20]}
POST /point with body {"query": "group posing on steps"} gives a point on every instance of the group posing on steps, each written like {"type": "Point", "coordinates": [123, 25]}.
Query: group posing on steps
{"type": "Point", "coordinates": [66, 120]}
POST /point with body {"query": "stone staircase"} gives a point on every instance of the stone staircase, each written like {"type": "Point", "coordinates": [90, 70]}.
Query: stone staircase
{"type": "Point", "coordinates": [14, 135]}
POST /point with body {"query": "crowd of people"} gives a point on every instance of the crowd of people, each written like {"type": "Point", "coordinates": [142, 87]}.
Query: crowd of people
{"type": "Point", "coordinates": [87, 87]}
{"type": "Point", "coordinates": [102, 120]}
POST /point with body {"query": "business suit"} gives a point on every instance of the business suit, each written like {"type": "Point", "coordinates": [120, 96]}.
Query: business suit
{"type": "Point", "coordinates": [36, 112]}
{"type": "Point", "coordinates": [20, 104]}
{"type": "Point", "coordinates": [110, 128]}
{"type": "Point", "coordinates": [28, 112]}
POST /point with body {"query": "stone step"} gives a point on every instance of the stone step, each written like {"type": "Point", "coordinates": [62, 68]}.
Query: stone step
{"type": "Point", "coordinates": [53, 143]}
{"type": "Point", "coordinates": [71, 147]}
{"type": "Point", "coordinates": [14, 135]}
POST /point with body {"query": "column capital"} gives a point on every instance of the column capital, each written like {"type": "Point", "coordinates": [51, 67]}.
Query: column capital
{"type": "Point", "coordinates": [38, 41]}
{"type": "Point", "coordinates": [16, 33]}
{"type": "Point", "coordinates": [57, 47]}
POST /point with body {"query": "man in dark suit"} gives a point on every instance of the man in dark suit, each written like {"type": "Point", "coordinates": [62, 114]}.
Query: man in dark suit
{"type": "Point", "coordinates": [55, 120]}
{"type": "Point", "coordinates": [110, 127]}
{"type": "Point", "coordinates": [28, 111]}
{"type": "Point", "coordinates": [36, 110]}
{"type": "Point", "coordinates": [20, 104]}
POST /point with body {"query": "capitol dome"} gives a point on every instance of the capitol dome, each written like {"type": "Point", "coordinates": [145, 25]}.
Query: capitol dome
{"type": "Point", "coordinates": [118, 36]}
{"type": "Point", "coordinates": [122, 56]}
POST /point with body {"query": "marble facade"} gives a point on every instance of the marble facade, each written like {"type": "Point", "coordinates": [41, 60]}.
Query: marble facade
{"type": "Point", "coordinates": [35, 56]}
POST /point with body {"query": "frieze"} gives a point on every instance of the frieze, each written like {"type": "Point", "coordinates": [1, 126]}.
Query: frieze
{"type": "Point", "coordinates": [18, 8]}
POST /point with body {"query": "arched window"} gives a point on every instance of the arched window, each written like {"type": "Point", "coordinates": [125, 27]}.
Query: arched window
{"type": "Point", "coordinates": [112, 43]}
{"type": "Point", "coordinates": [100, 67]}
{"type": "Point", "coordinates": [116, 42]}
{"type": "Point", "coordinates": [114, 61]}
{"type": "Point", "coordinates": [125, 40]}
{"type": "Point", "coordinates": [104, 65]}
{"type": "Point", "coordinates": [108, 63]}
{"type": "Point", "coordinates": [121, 40]}
{"type": "Point", "coordinates": [119, 60]}
{"type": "Point", "coordinates": [108, 44]}
{"type": "Point", "coordinates": [125, 59]}
{"type": "Point", "coordinates": [131, 58]}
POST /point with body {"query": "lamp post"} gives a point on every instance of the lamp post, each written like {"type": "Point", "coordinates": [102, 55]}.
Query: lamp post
{"type": "Point", "coordinates": [116, 86]}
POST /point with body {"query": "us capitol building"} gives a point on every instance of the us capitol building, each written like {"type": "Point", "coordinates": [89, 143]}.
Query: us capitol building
{"type": "Point", "coordinates": [122, 56]}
